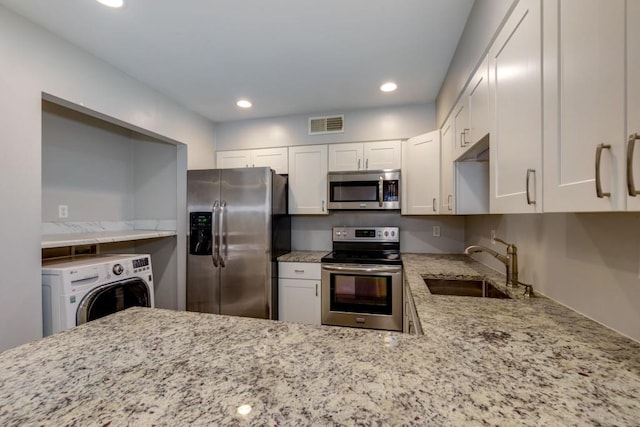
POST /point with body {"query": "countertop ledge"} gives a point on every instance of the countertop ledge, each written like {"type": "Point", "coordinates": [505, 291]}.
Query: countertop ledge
{"type": "Point", "coordinates": [303, 256]}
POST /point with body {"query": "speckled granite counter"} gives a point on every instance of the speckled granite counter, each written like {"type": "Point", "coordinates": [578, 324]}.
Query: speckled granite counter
{"type": "Point", "coordinates": [302, 256]}
{"type": "Point", "coordinates": [480, 362]}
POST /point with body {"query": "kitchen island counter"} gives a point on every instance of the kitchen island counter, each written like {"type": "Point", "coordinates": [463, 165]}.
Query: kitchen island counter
{"type": "Point", "coordinates": [480, 362]}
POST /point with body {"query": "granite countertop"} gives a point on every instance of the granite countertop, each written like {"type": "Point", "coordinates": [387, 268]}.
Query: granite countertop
{"type": "Point", "coordinates": [302, 256]}
{"type": "Point", "coordinates": [480, 362]}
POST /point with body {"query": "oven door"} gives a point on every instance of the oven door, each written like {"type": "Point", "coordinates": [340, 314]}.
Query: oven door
{"type": "Point", "coordinates": [363, 296]}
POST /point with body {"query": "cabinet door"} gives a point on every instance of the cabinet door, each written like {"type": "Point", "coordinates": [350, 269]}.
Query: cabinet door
{"type": "Point", "coordinates": [515, 82]}
{"type": "Point", "coordinates": [421, 174]}
{"type": "Point", "coordinates": [299, 301]}
{"type": "Point", "coordinates": [584, 104]}
{"type": "Point", "coordinates": [447, 198]}
{"type": "Point", "coordinates": [308, 180]}
{"type": "Point", "coordinates": [478, 101]}
{"type": "Point", "coordinates": [345, 157]}
{"type": "Point", "coordinates": [275, 158]}
{"type": "Point", "coordinates": [460, 127]}
{"type": "Point", "coordinates": [633, 98]}
{"type": "Point", "coordinates": [382, 155]}
{"type": "Point", "coordinates": [233, 159]}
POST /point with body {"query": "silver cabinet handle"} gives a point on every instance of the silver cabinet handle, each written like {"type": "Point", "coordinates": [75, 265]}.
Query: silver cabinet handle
{"type": "Point", "coordinates": [380, 184]}
{"type": "Point", "coordinates": [366, 164]}
{"type": "Point", "coordinates": [359, 160]}
{"type": "Point", "coordinates": [215, 254]}
{"type": "Point", "coordinates": [223, 237]}
{"type": "Point", "coordinates": [450, 201]}
{"type": "Point", "coordinates": [323, 206]}
{"type": "Point", "coordinates": [299, 271]}
{"type": "Point", "coordinates": [461, 139]}
{"type": "Point", "coordinates": [631, 185]}
{"type": "Point", "coordinates": [316, 289]}
{"type": "Point", "coordinates": [434, 204]}
{"type": "Point", "coordinates": [529, 200]}
{"type": "Point", "coordinates": [464, 136]}
{"type": "Point", "coordinates": [599, 191]}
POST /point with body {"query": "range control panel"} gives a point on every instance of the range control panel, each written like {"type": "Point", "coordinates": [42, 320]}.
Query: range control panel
{"type": "Point", "coordinates": [366, 234]}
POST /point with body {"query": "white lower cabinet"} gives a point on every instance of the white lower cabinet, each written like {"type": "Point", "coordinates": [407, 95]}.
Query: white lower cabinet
{"type": "Point", "coordinates": [411, 323]}
{"type": "Point", "coordinates": [299, 292]}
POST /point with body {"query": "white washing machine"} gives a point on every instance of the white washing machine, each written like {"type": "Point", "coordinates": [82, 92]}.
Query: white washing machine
{"type": "Point", "coordinates": [78, 290]}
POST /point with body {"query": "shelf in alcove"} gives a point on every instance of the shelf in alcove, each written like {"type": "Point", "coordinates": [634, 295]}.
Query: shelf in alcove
{"type": "Point", "coordinates": [96, 237]}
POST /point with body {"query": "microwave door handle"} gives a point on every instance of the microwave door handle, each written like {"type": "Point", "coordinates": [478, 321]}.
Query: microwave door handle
{"type": "Point", "coordinates": [380, 185]}
{"type": "Point", "coordinates": [372, 269]}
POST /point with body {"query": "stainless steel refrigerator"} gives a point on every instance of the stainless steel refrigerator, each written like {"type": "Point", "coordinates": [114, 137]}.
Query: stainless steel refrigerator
{"type": "Point", "coordinates": [238, 226]}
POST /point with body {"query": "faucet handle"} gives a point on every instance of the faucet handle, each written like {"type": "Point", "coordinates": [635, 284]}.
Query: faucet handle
{"type": "Point", "coordinates": [497, 239]}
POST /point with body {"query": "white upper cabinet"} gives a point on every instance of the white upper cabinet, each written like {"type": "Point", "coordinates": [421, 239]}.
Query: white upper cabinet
{"type": "Point", "coordinates": [515, 85]}
{"type": "Point", "coordinates": [275, 158]}
{"type": "Point", "coordinates": [421, 174]}
{"type": "Point", "coordinates": [633, 104]}
{"type": "Point", "coordinates": [584, 103]}
{"type": "Point", "coordinates": [308, 180]}
{"type": "Point", "coordinates": [478, 101]}
{"type": "Point", "coordinates": [233, 159]}
{"type": "Point", "coordinates": [447, 195]}
{"type": "Point", "coordinates": [470, 118]}
{"type": "Point", "coordinates": [460, 127]}
{"type": "Point", "coordinates": [365, 156]}
{"type": "Point", "coordinates": [346, 157]}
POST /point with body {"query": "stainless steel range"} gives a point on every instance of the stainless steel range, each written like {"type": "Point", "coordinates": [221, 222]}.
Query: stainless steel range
{"type": "Point", "coordinates": [362, 279]}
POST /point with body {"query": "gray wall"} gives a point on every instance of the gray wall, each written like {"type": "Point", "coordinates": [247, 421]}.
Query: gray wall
{"type": "Point", "coordinates": [87, 164]}
{"type": "Point", "coordinates": [35, 64]}
{"type": "Point", "coordinates": [588, 262]}
{"type": "Point", "coordinates": [363, 125]}
{"type": "Point", "coordinates": [486, 17]}
{"type": "Point", "coordinates": [416, 234]}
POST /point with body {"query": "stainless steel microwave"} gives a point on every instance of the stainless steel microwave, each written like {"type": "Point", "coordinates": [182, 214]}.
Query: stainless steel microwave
{"type": "Point", "coordinates": [370, 190]}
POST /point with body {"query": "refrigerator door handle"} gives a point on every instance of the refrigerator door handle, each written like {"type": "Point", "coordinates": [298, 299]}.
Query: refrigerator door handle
{"type": "Point", "coordinates": [215, 253]}
{"type": "Point", "coordinates": [222, 248]}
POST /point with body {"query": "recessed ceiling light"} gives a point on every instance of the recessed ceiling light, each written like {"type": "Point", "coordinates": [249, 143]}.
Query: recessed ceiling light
{"type": "Point", "coordinates": [112, 3]}
{"type": "Point", "coordinates": [243, 103]}
{"type": "Point", "coordinates": [389, 87]}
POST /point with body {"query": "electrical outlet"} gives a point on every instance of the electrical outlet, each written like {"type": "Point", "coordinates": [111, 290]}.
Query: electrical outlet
{"type": "Point", "coordinates": [493, 237]}
{"type": "Point", "coordinates": [436, 231]}
{"type": "Point", "coordinates": [63, 211]}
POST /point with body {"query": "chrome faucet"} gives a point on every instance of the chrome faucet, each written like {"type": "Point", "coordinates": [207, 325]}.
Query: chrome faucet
{"type": "Point", "coordinates": [510, 260]}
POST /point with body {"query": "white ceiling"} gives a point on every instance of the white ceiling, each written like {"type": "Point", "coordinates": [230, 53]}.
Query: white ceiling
{"type": "Point", "coordinates": [286, 56]}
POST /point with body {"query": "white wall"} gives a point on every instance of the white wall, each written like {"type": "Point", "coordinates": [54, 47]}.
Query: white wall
{"type": "Point", "coordinates": [416, 234]}
{"type": "Point", "coordinates": [36, 62]}
{"type": "Point", "coordinates": [486, 17]}
{"type": "Point", "coordinates": [588, 262]}
{"type": "Point", "coordinates": [361, 125]}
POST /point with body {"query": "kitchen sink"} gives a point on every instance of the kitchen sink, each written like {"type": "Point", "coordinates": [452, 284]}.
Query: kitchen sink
{"type": "Point", "coordinates": [465, 288]}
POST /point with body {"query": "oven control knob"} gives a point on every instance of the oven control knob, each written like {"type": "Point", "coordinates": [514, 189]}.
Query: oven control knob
{"type": "Point", "coordinates": [118, 269]}
{"type": "Point", "coordinates": [386, 234]}
{"type": "Point", "coordinates": [393, 233]}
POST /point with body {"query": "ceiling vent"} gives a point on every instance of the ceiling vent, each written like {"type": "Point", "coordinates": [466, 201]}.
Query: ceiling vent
{"type": "Point", "coordinates": [324, 125]}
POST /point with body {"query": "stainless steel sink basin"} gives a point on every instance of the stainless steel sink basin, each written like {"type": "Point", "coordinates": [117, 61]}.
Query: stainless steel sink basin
{"type": "Point", "coordinates": [466, 288]}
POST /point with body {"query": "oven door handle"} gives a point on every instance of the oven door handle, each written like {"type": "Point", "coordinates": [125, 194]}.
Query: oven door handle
{"type": "Point", "coordinates": [366, 269]}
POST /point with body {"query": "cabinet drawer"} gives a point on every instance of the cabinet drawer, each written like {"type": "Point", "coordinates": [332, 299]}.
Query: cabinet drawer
{"type": "Point", "coordinates": [299, 270]}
